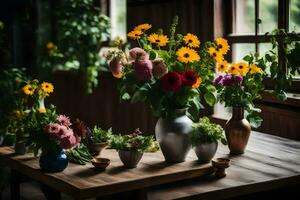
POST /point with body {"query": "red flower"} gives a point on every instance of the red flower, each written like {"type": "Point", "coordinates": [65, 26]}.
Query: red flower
{"type": "Point", "coordinates": [171, 82]}
{"type": "Point", "coordinates": [189, 78]}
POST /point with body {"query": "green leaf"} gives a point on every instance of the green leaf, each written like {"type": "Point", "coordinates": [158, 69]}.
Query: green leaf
{"type": "Point", "coordinates": [210, 98]}
{"type": "Point", "coordinates": [125, 96]}
{"type": "Point", "coordinates": [248, 58]}
{"type": "Point", "coordinates": [210, 88]}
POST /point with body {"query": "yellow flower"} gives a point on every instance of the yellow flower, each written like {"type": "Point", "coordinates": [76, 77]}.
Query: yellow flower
{"type": "Point", "coordinates": [50, 45]}
{"type": "Point", "coordinates": [185, 55]}
{"type": "Point", "coordinates": [222, 66]}
{"type": "Point", "coordinates": [217, 56]}
{"type": "Point", "coordinates": [254, 69]}
{"type": "Point", "coordinates": [161, 40]}
{"type": "Point", "coordinates": [197, 84]}
{"type": "Point", "coordinates": [143, 27]}
{"type": "Point", "coordinates": [28, 90]}
{"type": "Point", "coordinates": [222, 45]}
{"type": "Point", "coordinates": [191, 40]}
{"type": "Point", "coordinates": [47, 87]}
{"type": "Point", "coordinates": [234, 70]}
{"type": "Point", "coordinates": [242, 67]}
{"type": "Point", "coordinates": [42, 110]}
{"type": "Point", "coordinates": [135, 34]}
{"type": "Point", "coordinates": [18, 114]}
{"type": "Point", "coordinates": [118, 76]}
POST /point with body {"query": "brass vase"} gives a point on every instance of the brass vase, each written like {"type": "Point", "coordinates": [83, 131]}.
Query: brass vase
{"type": "Point", "coordinates": [237, 131]}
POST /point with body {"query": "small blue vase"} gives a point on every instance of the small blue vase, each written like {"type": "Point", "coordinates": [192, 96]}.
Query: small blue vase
{"type": "Point", "coordinates": [53, 161]}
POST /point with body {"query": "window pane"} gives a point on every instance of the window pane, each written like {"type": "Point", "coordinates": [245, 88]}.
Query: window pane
{"type": "Point", "coordinates": [244, 17]}
{"type": "Point", "coordinates": [295, 15]}
{"type": "Point", "coordinates": [240, 50]}
{"type": "Point", "coordinates": [118, 18]}
{"type": "Point", "coordinates": [268, 14]}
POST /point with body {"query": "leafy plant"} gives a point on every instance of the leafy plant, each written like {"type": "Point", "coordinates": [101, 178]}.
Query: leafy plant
{"type": "Point", "coordinates": [205, 131]}
{"type": "Point", "coordinates": [133, 142]}
{"type": "Point", "coordinates": [81, 30]}
{"type": "Point", "coordinates": [99, 135]}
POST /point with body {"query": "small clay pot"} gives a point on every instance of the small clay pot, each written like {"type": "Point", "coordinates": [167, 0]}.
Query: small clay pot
{"type": "Point", "coordinates": [130, 159]}
{"type": "Point", "coordinates": [96, 148]}
{"type": "Point", "coordinates": [100, 164]}
{"type": "Point", "coordinates": [220, 164]}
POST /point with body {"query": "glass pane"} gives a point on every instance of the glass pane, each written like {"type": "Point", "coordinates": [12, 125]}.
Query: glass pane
{"type": "Point", "coordinates": [240, 50]}
{"type": "Point", "coordinates": [295, 15]}
{"type": "Point", "coordinates": [118, 19]}
{"type": "Point", "coordinates": [244, 17]}
{"type": "Point", "coordinates": [268, 14]}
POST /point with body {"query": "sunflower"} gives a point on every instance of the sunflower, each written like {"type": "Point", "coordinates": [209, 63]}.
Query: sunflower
{"type": "Point", "coordinates": [222, 66]}
{"type": "Point", "coordinates": [222, 45]}
{"type": "Point", "coordinates": [191, 40]}
{"type": "Point", "coordinates": [185, 55]}
{"type": "Point", "coordinates": [135, 34]}
{"type": "Point", "coordinates": [143, 27]}
{"type": "Point", "coordinates": [242, 67]}
{"type": "Point", "coordinates": [47, 87]}
{"type": "Point", "coordinates": [42, 110]}
{"type": "Point", "coordinates": [197, 84]}
{"type": "Point", "coordinates": [234, 70]}
{"type": "Point", "coordinates": [217, 56]}
{"type": "Point", "coordinates": [160, 40]}
{"type": "Point", "coordinates": [28, 90]}
{"type": "Point", "coordinates": [254, 69]}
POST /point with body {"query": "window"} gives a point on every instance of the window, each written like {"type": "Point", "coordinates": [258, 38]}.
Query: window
{"type": "Point", "coordinates": [253, 18]}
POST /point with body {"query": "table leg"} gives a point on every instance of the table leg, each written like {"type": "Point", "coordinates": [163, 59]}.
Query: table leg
{"type": "Point", "coordinates": [15, 185]}
{"type": "Point", "coordinates": [50, 193]}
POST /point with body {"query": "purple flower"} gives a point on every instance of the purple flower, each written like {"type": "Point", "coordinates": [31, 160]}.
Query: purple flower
{"type": "Point", "coordinates": [237, 79]}
{"type": "Point", "coordinates": [227, 80]}
{"type": "Point", "coordinates": [138, 54]}
{"type": "Point", "coordinates": [143, 69]}
{"type": "Point", "coordinates": [218, 80]}
{"type": "Point", "coordinates": [63, 120]}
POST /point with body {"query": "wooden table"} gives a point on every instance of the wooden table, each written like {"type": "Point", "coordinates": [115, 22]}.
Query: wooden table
{"type": "Point", "coordinates": [269, 163]}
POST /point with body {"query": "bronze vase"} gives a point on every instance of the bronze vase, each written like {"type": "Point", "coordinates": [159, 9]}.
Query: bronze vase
{"type": "Point", "coordinates": [237, 131]}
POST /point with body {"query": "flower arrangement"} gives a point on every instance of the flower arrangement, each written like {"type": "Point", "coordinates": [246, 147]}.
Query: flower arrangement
{"type": "Point", "coordinates": [134, 142]}
{"type": "Point", "coordinates": [98, 135]}
{"type": "Point", "coordinates": [205, 131]}
{"type": "Point", "coordinates": [239, 84]}
{"type": "Point", "coordinates": [168, 72]}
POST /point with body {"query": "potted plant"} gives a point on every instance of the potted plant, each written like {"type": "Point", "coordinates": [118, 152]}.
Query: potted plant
{"type": "Point", "coordinates": [170, 73]}
{"type": "Point", "coordinates": [205, 137]}
{"type": "Point", "coordinates": [97, 139]}
{"type": "Point", "coordinates": [131, 147]}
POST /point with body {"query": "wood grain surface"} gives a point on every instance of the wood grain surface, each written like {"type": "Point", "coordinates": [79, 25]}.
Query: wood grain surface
{"type": "Point", "coordinates": [84, 182]}
{"type": "Point", "coordinates": [269, 163]}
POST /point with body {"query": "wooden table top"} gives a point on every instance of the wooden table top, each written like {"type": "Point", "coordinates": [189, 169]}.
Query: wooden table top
{"type": "Point", "coordinates": [84, 182]}
{"type": "Point", "coordinates": [269, 163]}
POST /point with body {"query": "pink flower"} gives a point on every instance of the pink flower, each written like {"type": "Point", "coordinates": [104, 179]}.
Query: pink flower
{"type": "Point", "coordinates": [68, 142]}
{"type": "Point", "coordinates": [143, 69]}
{"type": "Point", "coordinates": [138, 54]}
{"type": "Point", "coordinates": [52, 129]}
{"type": "Point", "coordinates": [159, 68]}
{"type": "Point", "coordinates": [63, 120]}
{"type": "Point", "coordinates": [115, 66]}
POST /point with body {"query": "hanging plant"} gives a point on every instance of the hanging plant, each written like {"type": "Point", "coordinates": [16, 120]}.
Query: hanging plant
{"type": "Point", "coordinates": [81, 29]}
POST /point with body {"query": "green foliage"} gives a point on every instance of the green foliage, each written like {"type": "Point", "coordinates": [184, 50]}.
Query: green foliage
{"type": "Point", "coordinates": [80, 154]}
{"type": "Point", "coordinates": [205, 131]}
{"type": "Point", "coordinates": [81, 30]}
{"type": "Point", "coordinates": [134, 143]}
{"type": "Point", "coordinates": [99, 135]}
{"type": "Point", "coordinates": [10, 84]}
